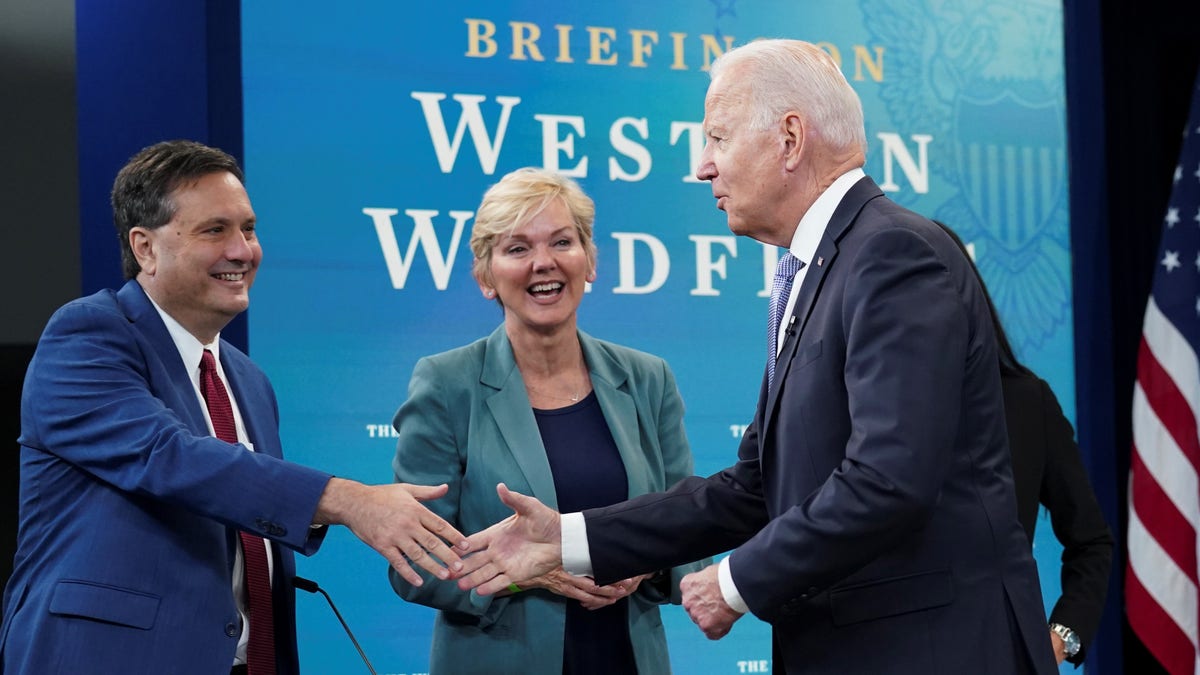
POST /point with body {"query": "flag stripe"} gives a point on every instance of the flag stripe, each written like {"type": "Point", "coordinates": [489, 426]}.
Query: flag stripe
{"type": "Point", "coordinates": [1162, 579]}
{"type": "Point", "coordinates": [1175, 394]}
{"type": "Point", "coordinates": [1171, 531]}
{"type": "Point", "coordinates": [1164, 460]}
{"type": "Point", "coordinates": [1156, 630]}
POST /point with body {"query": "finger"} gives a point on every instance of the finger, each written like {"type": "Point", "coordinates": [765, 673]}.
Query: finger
{"type": "Point", "coordinates": [448, 556]}
{"type": "Point", "coordinates": [421, 558]}
{"type": "Point", "coordinates": [477, 569]}
{"type": "Point", "coordinates": [493, 585]}
{"type": "Point", "coordinates": [585, 598]}
{"type": "Point", "coordinates": [401, 566]}
{"type": "Point", "coordinates": [473, 563]}
{"type": "Point", "coordinates": [519, 503]}
{"type": "Point", "coordinates": [439, 526]}
{"type": "Point", "coordinates": [480, 541]}
{"type": "Point", "coordinates": [596, 603]}
{"type": "Point", "coordinates": [610, 591]}
{"type": "Point", "coordinates": [441, 536]}
{"type": "Point", "coordinates": [426, 492]}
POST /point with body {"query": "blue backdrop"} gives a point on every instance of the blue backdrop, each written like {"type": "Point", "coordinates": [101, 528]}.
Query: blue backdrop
{"type": "Point", "coordinates": [370, 135]}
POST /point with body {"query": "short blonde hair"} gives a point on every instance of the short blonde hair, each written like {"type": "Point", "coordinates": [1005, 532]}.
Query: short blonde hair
{"type": "Point", "coordinates": [515, 200]}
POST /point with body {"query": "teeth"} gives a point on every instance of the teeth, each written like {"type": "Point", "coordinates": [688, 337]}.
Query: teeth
{"type": "Point", "coordinates": [231, 276]}
{"type": "Point", "coordinates": [542, 288]}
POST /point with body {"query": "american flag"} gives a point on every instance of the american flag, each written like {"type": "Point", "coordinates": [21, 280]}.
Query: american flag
{"type": "Point", "coordinates": [1161, 579]}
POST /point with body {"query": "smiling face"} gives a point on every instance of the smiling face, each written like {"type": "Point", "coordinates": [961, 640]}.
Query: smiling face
{"type": "Point", "coordinates": [199, 266]}
{"type": "Point", "coordinates": [539, 271]}
{"type": "Point", "coordinates": [745, 165]}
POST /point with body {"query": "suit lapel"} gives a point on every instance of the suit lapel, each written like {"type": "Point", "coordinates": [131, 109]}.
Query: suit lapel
{"type": "Point", "coordinates": [620, 412]}
{"type": "Point", "coordinates": [140, 311]}
{"type": "Point", "coordinates": [818, 269]}
{"type": "Point", "coordinates": [513, 414]}
{"type": "Point", "coordinates": [251, 401]}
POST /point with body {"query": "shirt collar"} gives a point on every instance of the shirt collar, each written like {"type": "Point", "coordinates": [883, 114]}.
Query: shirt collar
{"type": "Point", "coordinates": [812, 225]}
{"type": "Point", "coordinates": [190, 349]}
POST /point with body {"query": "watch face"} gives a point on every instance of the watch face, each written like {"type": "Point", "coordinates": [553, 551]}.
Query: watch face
{"type": "Point", "coordinates": [1070, 639]}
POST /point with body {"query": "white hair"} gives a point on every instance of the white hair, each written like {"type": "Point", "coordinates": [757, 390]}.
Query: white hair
{"type": "Point", "coordinates": [783, 75]}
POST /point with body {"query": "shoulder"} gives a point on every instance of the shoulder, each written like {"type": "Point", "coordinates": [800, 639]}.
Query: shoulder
{"type": "Point", "coordinates": [603, 355]}
{"type": "Point", "coordinates": [886, 223]}
{"type": "Point", "coordinates": [453, 360]}
{"type": "Point", "coordinates": [621, 353]}
{"type": "Point", "coordinates": [238, 360]}
{"type": "Point", "coordinates": [98, 307]}
{"type": "Point", "coordinates": [1029, 390]}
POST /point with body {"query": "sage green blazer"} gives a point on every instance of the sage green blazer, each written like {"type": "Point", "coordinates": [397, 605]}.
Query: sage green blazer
{"type": "Point", "coordinates": [468, 423]}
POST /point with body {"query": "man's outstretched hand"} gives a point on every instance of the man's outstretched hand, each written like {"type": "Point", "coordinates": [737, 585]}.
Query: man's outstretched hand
{"type": "Point", "coordinates": [525, 545]}
{"type": "Point", "coordinates": [392, 520]}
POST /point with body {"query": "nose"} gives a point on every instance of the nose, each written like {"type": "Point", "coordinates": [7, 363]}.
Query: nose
{"type": "Point", "coordinates": [706, 169]}
{"type": "Point", "coordinates": [543, 259]}
{"type": "Point", "coordinates": [240, 246]}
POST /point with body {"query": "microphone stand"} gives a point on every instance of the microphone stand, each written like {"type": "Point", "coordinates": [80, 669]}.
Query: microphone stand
{"type": "Point", "coordinates": [312, 587]}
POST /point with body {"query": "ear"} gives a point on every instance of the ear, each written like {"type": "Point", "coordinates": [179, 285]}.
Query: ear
{"type": "Point", "coordinates": [141, 242]}
{"type": "Point", "coordinates": [794, 135]}
{"type": "Point", "coordinates": [485, 286]}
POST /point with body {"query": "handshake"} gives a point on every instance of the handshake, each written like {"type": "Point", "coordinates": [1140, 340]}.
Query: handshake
{"type": "Point", "coordinates": [525, 551]}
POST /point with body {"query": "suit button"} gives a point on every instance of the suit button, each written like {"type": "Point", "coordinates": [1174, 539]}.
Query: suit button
{"type": "Point", "coordinates": [231, 629]}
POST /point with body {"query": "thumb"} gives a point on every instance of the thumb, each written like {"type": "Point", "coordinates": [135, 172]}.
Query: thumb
{"type": "Point", "coordinates": [519, 503]}
{"type": "Point", "coordinates": [426, 492]}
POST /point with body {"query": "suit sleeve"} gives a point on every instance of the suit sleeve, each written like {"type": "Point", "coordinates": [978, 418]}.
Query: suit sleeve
{"type": "Point", "coordinates": [93, 403]}
{"type": "Point", "coordinates": [1078, 524]}
{"type": "Point", "coordinates": [430, 452]}
{"type": "Point", "coordinates": [677, 465]}
{"type": "Point", "coordinates": [696, 518]}
{"type": "Point", "coordinates": [906, 332]}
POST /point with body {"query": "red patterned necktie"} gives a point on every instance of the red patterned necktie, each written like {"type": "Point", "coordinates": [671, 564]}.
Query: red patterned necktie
{"type": "Point", "coordinates": [260, 651]}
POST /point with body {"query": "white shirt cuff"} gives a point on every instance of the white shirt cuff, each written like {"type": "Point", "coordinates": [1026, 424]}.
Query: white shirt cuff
{"type": "Point", "coordinates": [728, 590]}
{"type": "Point", "coordinates": [576, 557]}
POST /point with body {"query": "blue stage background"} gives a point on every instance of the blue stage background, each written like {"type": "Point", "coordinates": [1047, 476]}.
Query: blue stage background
{"type": "Point", "coordinates": [965, 118]}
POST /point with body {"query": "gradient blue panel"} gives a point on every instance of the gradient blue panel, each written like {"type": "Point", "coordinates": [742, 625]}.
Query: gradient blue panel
{"type": "Point", "coordinates": [332, 127]}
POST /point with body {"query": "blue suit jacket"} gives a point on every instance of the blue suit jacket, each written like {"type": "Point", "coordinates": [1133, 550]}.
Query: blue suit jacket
{"type": "Point", "coordinates": [872, 505]}
{"type": "Point", "coordinates": [468, 422]}
{"type": "Point", "coordinates": [128, 507]}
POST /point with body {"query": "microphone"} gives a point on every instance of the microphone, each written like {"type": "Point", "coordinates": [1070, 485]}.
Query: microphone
{"type": "Point", "coordinates": [311, 587]}
{"type": "Point", "coordinates": [791, 327]}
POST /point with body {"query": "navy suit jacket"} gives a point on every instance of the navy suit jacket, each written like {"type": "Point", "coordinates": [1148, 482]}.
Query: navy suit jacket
{"type": "Point", "coordinates": [129, 508]}
{"type": "Point", "coordinates": [872, 505]}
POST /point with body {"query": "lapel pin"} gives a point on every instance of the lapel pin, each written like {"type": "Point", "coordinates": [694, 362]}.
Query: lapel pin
{"type": "Point", "coordinates": [820, 260]}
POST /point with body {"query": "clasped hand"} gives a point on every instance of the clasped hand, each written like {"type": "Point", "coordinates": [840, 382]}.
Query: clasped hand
{"type": "Point", "coordinates": [583, 589]}
{"type": "Point", "coordinates": [527, 546]}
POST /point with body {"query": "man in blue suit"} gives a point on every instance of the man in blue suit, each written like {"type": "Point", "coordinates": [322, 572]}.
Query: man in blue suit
{"type": "Point", "coordinates": [871, 511]}
{"type": "Point", "coordinates": [129, 558]}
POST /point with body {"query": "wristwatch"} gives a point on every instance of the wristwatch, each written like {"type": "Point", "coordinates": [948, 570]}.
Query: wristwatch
{"type": "Point", "coordinates": [1070, 639]}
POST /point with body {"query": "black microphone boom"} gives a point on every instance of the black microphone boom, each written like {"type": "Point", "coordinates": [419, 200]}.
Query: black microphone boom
{"type": "Point", "coordinates": [312, 587]}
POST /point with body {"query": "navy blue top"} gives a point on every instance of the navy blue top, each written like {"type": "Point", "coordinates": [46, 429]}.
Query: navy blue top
{"type": "Point", "coordinates": [588, 472]}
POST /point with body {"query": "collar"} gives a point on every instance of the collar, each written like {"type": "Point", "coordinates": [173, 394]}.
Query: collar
{"type": "Point", "coordinates": [812, 225]}
{"type": "Point", "coordinates": [190, 349]}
